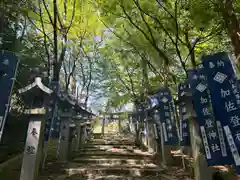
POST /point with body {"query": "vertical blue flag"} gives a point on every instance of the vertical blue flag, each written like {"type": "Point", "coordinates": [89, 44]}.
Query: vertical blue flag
{"type": "Point", "coordinates": [152, 101]}
{"type": "Point", "coordinates": [211, 130]}
{"type": "Point", "coordinates": [184, 124]}
{"type": "Point", "coordinates": [8, 66]}
{"type": "Point", "coordinates": [167, 117]}
{"type": "Point", "coordinates": [222, 82]}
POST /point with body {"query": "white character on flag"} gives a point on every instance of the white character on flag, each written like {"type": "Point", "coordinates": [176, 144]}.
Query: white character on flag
{"type": "Point", "coordinates": [212, 135]}
{"type": "Point", "coordinates": [206, 111]}
{"type": "Point", "coordinates": [209, 123]}
{"type": "Point", "coordinates": [225, 93]}
{"type": "Point", "coordinates": [220, 63]}
{"type": "Point", "coordinates": [235, 120]}
{"type": "Point", "coordinates": [215, 147]}
{"type": "Point", "coordinates": [237, 136]}
{"type": "Point", "coordinates": [230, 106]}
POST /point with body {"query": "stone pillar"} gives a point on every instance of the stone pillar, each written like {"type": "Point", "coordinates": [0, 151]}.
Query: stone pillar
{"type": "Point", "coordinates": [32, 152]}
{"type": "Point", "coordinates": [156, 137]}
{"type": "Point", "coordinates": [164, 161]}
{"type": "Point", "coordinates": [88, 128]}
{"type": "Point", "coordinates": [145, 134]}
{"type": "Point", "coordinates": [83, 132]}
{"type": "Point", "coordinates": [201, 169]}
{"type": "Point", "coordinates": [151, 137]}
{"type": "Point", "coordinates": [78, 138]}
{"type": "Point", "coordinates": [72, 139]}
{"type": "Point", "coordinates": [64, 137]}
{"type": "Point", "coordinates": [119, 125]}
{"type": "Point", "coordinates": [103, 125]}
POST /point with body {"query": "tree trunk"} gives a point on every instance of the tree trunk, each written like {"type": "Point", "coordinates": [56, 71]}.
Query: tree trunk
{"type": "Point", "coordinates": [232, 25]}
{"type": "Point", "coordinates": [55, 69]}
{"type": "Point", "coordinates": [145, 77]}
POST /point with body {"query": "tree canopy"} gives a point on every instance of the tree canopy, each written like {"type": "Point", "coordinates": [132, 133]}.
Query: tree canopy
{"type": "Point", "coordinates": [116, 51]}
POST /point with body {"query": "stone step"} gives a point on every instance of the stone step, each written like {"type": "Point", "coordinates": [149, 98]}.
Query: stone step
{"type": "Point", "coordinates": [117, 157]}
{"type": "Point", "coordinates": [106, 146]}
{"type": "Point", "coordinates": [111, 141]}
{"type": "Point", "coordinates": [97, 135]}
{"type": "Point", "coordinates": [135, 172]}
{"type": "Point", "coordinates": [127, 150]}
{"type": "Point", "coordinates": [120, 161]}
{"type": "Point", "coordinates": [93, 150]}
{"type": "Point", "coordinates": [109, 165]}
{"type": "Point", "coordinates": [101, 151]}
{"type": "Point", "coordinates": [121, 177]}
{"type": "Point", "coordinates": [112, 154]}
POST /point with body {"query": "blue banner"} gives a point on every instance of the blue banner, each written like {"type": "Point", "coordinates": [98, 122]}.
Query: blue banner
{"type": "Point", "coordinates": [152, 101]}
{"type": "Point", "coordinates": [8, 66]}
{"type": "Point", "coordinates": [167, 117]}
{"type": "Point", "coordinates": [184, 124]}
{"type": "Point", "coordinates": [221, 78]}
{"type": "Point", "coordinates": [236, 89]}
{"type": "Point", "coordinates": [211, 130]}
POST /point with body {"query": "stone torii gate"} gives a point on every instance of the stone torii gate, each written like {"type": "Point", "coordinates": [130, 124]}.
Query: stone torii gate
{"type": "Point", "coordinates": [112, 117]}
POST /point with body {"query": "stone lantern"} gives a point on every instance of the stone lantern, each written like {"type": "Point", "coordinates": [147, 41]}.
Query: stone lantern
{"type": "Point", "coordinates": [66, 106]}
{"type": "Point", "coordinates": [78, 119]}
{"type": "Point", "coordinates": [36, 96]}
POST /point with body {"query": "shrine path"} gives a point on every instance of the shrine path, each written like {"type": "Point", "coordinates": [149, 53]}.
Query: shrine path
{"type": "Point", "coordinates": [112, 157]}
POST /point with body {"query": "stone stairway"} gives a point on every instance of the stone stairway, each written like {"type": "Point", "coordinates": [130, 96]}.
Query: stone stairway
{"type": "Point", "coordinates": [109, 158]}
